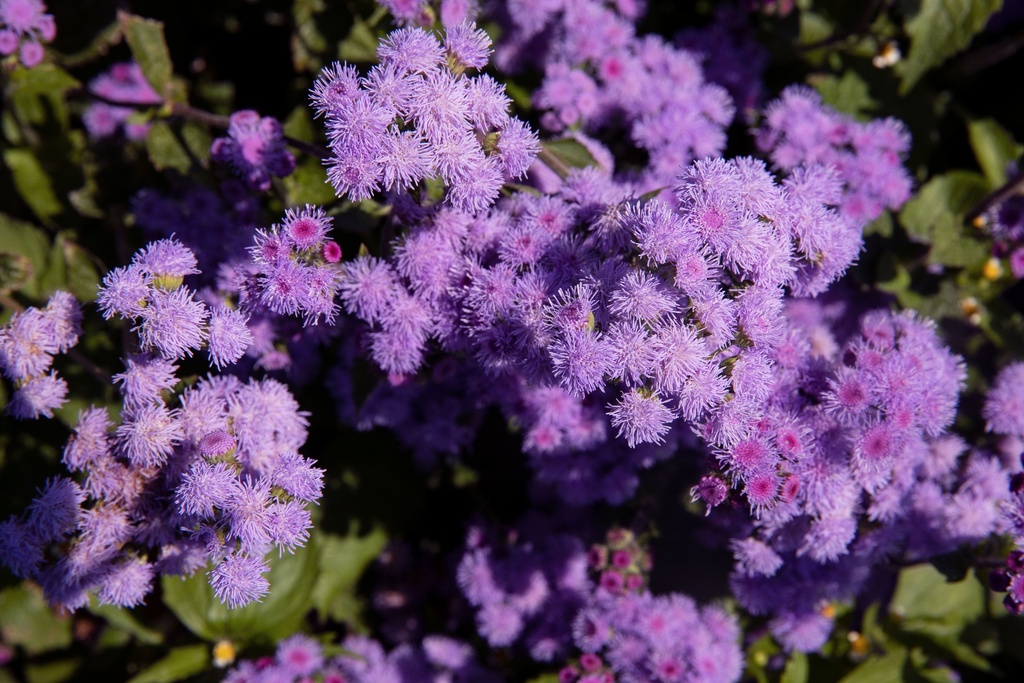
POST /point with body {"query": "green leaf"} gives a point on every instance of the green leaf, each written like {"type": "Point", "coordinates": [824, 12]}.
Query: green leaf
{"type": "Point", "coordinates": [165, 151]}
{"type": "Point", "coordinates": [797, 669]}
{"type": "Point", "coordinates": [83, 276]}
{"type": "Point", "coordinates": [179, 664]}
{"type": "Point", "coordinates": [994, 148]}
{"type": "Point", "coordinates": [360, 45]}
{"type": "Point", "coordinates": [938, 30]}
{"type": "Point", "coordinates": [922, 592]}
{"type": "Point", "coordinates": [936, 216]}
{"type": "Point", "coordinates": [292, 579]}
{"type": "Point", "coordinates": [570, 152]}
{"type": "Point", "coordinates": [343, 559]}
{"type": "Point", "coordinates": [149, 48]}
{"type": "Point", "coordinates": [27, 621]}
{"type": "Point", "coordinates": [29, 87]}
{"type": "Point", "coordinates": [307, 184]}
{"type": "Point", "coordinates": [885, 669]}
{"type": "Point", "coordinates": [846, 94]}
{"type": "Point", "coordinates": [33, 183]}
{"type": "Point", "coordinates": [122, 619]}
{"type": "Point", "coordinates": [545, 678]}
{"type": "Point", "coordinates": [28, 246]}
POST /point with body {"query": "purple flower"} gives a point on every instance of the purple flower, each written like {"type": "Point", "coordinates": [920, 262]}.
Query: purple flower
{"type": "Point", "coordinates": [641, 418]}
{"type": "Point", "coordinates": [300, 655]}
{"type": "Point", "coordinates": [39, 396]}
{"type": "Point", "coordinates": [173, 323]}
{"type": "Point", "coordinates": [144, 380]}
{"type": "Point", "coordinates": [228, 336]}
{"type": "Point", "coordinates": [238, 580]}
{"type": "Point", "coordinates": [148, 435]}
{"type": "Point", "coordinates": [1004, 405]}
{"type": "Point", "coordinates": [254, 149]}
{"type": "Point", "coordinates": [25, 22]}
{"type": "Point", "coordinates": [127, 584]}
{"type": "Point", "coordinates": [123, 82]}
{"type": "Point", "coordinates": [206, 487]}
{"type": "Point", "coordinates": [124, 292]}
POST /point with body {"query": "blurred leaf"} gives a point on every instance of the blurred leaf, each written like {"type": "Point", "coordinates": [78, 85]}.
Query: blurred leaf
{"type": "Point", "coordinates": [149, 48]}
{"type": "Point", "coordinates": [292, 579]}
{"type": "Point", "coordinates": [847, 94]}
{"type": "Point", "coordinates": [885, 669]}
{"type": "Point", "coordinates": [33, 183]}
{"type": "Point", "coordinates": [308, 184]}
{"type": "Point", "coordinates": [165, 151]}
{"type": "Point", "coordinates": [27, 621]}
{"type": "Point", "coordinates": [936, 216]}
{"type": "Point", "coordinates": [82, 275]}
{"type": "Point", "coordinates": [197, 141]}
{"type": "Point", "coordinates": [122, 619]}
{"type": "Point", "coordinates": [570, 152]}
{"type": "Point", "coordinates": [180, 663]}
{"type": "Point", "coordinates": [922, 592]}
{"type": "Point", "coordinates": [797, 669]}
{"type": "Point", "coordinates": [31, 245]}
{"type": "Point", "coordinates": [52, 672]}
{"type": "Point", "coordinates": [307, 40]}
{"type": "Point", "coordinates": [46, 81]}
{"type": "Point", "coordinates": [343, 559]}
{"type": "Point", "coordinates": [545, 678]}
{"type": "Point", "coordinates": [360, 45]}
{"type": "Point", "coordinates": [994, 148]}
{"type": "Point", "coordinates": [938, 30]}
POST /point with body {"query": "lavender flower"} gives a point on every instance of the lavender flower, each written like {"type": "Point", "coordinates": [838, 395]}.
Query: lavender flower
{"type": "Point", "coordinates": [254, 149]}
{"type": "Point", "coordinates": [24, 26]}
{"type": "Point", "coordinates": [123, 82]}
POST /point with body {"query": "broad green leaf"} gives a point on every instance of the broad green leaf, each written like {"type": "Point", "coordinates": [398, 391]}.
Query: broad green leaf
{"type": "Point", "coordinates": [360, 45]}
{"type": "Point", "coordinates": [179, 664]}
{"type": "Point", "coordinates": [83, 276]}
{"type": "Point", "coordinates": [292, 579]}
{"type": "Point", "coordinates": [149, 48]}
{"type": "Point", "coordinates": [885, 669]}
{"type": "Point", "coordinates": [938, 30]}
{"type": "Point", "coordinates": [922, 592]}
{"type": "Point", "coordinates": [30, 248]}
{"type": "Point", "coordinates": [545, 678]}
{"type": "Point", "coordinates": [343, 559]}
{"type": "Point", "coordinates": [27, 621]}
{"type": "Point", "coordinates": [165, 150]}
{"type": "Point", "coordinates": [936, 216]}
{"type": "Point", "coordinates": [123, 620]}
{"type": "Point", "coordinates": [28, 87]}
{"type": "Point", "coordinates": [994, 147]}
{"type": "Point", "coordinates": [570, 152]}
{"type": "Point", "coordinates": [308, 184]}
{"type": "Point", "coordinates": [797, 669]}
{"type": "Point", "coordinates": [33, 183]}
{"type": "Point", "coordinates": [847, 94]}
{"type": "Point", "coordinates": [52, 672]}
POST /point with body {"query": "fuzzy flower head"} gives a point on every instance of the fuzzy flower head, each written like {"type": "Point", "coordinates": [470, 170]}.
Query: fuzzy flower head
{"type": "Point", "coordinates": [417, 115]}
{"type": "Point", "coordinates": [254, 149]}
{"type": "Point", "coordinates": [24, 26]}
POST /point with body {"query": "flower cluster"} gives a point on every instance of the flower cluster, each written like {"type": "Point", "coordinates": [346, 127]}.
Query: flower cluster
{"type": "Point", "coordinates": [208, 472]}
{"type": "Point", "coordinates": [123, 82]}
{"type": "Point", "coordinates": [526, 589]}
{"type": "Point", "coordinates": [639, 637]}
{"type": "Point", "coordinates": [24, 27]}
{"type": "Point", "coordinates": [600, 76]}
{"type": "Point", "coordinates": [439, 659]}
{"type": "Point", "coordinates": [169, 320]}
{"type": "Point", "coordinates": [799, 129]}
{"type": "Point", "coordinates": [1005, 224]}
{"type": "Point", "coordinates": [28, 343]}
{"type": "Point", "coordinates": [850, 469]}
{"type": "Point", "coordinates": [422, 13]}
{"type": "Point", "coordinates": [621, 563]}
{"type": "Point", "coordinates": [296, 266]}
{"type": "Point", "coordinates": [417, 115]}
{"type": "Point", "coordinates": [254, 149]}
